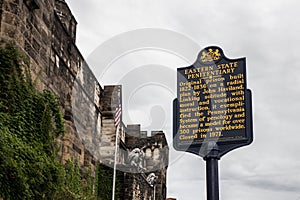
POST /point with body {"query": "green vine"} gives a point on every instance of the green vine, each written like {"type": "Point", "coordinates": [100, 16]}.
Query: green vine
{"type": "Point", "coordinates": [104, 181]}
{"type": "Point", "coordinates": [30, 121]}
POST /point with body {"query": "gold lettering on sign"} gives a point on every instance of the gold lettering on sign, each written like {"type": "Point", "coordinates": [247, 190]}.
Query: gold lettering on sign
{"type": "Point", "coordinates": [212, 101]}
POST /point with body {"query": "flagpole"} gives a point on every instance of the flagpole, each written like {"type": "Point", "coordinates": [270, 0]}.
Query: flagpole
{"type": "Point", "coordinates": [115, 163]}
{"type": "Point", "coordinates": [118, 121]}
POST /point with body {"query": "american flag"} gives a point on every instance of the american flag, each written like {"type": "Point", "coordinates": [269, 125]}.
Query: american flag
{"type": "Point", "coordinates": [118, 113]}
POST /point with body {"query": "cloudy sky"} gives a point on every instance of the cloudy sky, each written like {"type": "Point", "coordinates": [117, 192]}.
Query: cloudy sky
{"type": "Point", "coordinates": [140, 43]}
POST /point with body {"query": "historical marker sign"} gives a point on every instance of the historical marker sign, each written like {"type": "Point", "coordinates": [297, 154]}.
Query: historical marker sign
{"type": "Point", "coordinates": [213, 104]}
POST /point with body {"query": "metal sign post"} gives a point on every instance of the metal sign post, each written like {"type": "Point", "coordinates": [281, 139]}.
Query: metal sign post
{"type": "Point", "coordinates": [212, 179]}
{"type": "Point", "coordinates": [212, 173]}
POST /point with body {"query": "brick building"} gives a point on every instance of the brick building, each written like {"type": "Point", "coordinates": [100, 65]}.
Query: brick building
{"type": "Point", "coordinates": [45, 30]}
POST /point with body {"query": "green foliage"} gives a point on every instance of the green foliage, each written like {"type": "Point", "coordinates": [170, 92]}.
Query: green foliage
{"type": "Point", "coordinates": [104, 182]}
{"type": "Point", "coordinates": [76, 187]}
{"type": "Point", "coordinates": [29, 123]}
{"type": "Point", "coordinates": [88, 182]}
{"type": "Point", "coordinates": [72, 179]}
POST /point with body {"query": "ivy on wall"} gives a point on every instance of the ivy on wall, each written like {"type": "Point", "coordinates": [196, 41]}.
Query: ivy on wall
{"type": "Point", "coordinates": [30, 121]}
{"type": "Point", "coordinates": [104, 182]}
{"type": "Point", "coordinates": [76, 184]}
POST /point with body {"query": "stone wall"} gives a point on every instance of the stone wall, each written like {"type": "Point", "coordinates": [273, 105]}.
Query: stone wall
{"type": "Point", "coordinates": [45, 30]}
{"type": "Point", "coordinates": [28, 23]}
{"type": "Point", "coordinates": [156, 152]}
{"type": "Point", "coordinates": [57, 65]}
{"type": "Point", "coordinates": [137, 188]}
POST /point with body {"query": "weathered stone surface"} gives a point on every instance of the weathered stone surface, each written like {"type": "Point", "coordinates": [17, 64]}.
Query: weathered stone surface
{"type": "Point", "coordinates": [46, 33]}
